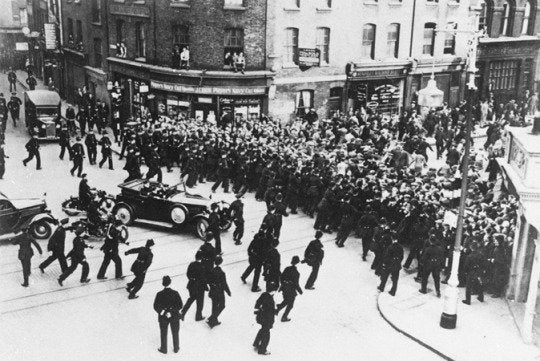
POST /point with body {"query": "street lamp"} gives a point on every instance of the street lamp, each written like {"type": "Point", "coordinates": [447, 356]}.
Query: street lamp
{"type": "Point", "coordinates": [431, 96]}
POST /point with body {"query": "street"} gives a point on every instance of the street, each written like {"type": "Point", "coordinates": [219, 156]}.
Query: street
{"type": "Point", "coordinates": [338, 320]}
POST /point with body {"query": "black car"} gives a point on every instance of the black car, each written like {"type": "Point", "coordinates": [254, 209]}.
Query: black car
{"type": "Point", "coordinates": [160, 204]}
{"type": "Point", "coordinates": [17, 214]}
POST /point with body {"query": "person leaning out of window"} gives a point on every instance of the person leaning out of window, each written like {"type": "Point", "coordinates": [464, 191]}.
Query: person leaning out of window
{"type": "Point", "coordinates": [239, 62]}
{"type": "Point", "coordinates": [184, 58]}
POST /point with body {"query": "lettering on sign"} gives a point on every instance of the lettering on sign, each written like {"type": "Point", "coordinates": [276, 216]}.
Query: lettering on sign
{"type": "Point", "coordinates": [118, 9]}
{"type": "Point", "coordinates": [358, 74]}
{"type": "Point", "coordinates": [506, 51]}
{"type": "Point", "coordinates": [518, 158]}
{"type": "Point", "coordinates": [309, 57]}
{"type": "Point", "coordinates": [50, 36]}
{"type": "Point", "coordinates": [191, 89]}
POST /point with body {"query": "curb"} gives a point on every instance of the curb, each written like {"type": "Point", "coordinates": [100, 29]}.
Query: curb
{"type": "Point", "coordinates": [422, 343]}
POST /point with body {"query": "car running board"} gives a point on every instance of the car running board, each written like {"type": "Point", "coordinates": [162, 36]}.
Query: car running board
{"type": "Point", "coordinates": [155, 223]}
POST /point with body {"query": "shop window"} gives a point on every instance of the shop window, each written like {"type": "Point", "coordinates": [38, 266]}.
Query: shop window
{"type": "Point", "coordinates": [97, 52]}
{"type": "Point", "coordinates": [335, 93]}
{"type": "Point", "coordinates": [304, 101]}
{"type": "Point", "coordinates": [290, 49]}
{"type": "Point", "coordinates": [368, 41]}
{"type": "Point", "coordinates": [323, 44]}
{"type": "Point", "coordinates": [503, 74]}
{"type": "Point", "coordinates": [507, 20]}
{"type": "Point", "coordinates": [23, 16]}
{"type": "Point", "coordinates": [529, 12]}
{"type": "Point", "coordinates": [96, 11]}
{"type": "Point", "coordinates": [429, 39]}
{"type": "Point", "coordinates": [450, 39]}
{"type": "Point", "coordinates": [140, 40]}
{"type": "Point", "coordinates": [119, 30]}
{"type": "Point", "coordinates": [233, 43]}
{"type": "Point", "coordinates": [392, 43]}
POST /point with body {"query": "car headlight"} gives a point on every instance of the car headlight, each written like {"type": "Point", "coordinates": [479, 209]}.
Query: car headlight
{"type": "Point", "coordinates": [43, 126]}
{"type": "Point", "coordinates": [57, 126]}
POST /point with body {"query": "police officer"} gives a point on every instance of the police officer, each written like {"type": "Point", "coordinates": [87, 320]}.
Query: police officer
{"type": "Point", "coordinates": [207, 253]}
{"type": "Point", "coordinates": [214, 221]}
{"type": "Point", "coordinates": [116, 234]}
{"type": "Point", "coordinates": [196, 286]}
{"type": "Point", "coordinates": [25, 242]}
{"type": "Point", "coordinates": [272, 262]}
{"type": "Point", "coordinates": [313, 256]}
{"type": "Point", "coordinates": [70, 116]}
{"type": "Point", "coordinates": [64, 143]}
{"type": "Point", "coordinates": [153, 162]}
{"type": "Point", "coordinates": [91, 146]}
{"type": "Point", "coordinates": [31, 82]}
{"type": "Point", "coordinates": [33, 151]}
{"type": "Point", "coordinates": [381, 240]}
{"type": "Point", "coordinates": [474, 267]}
{"type": "Point", "coordinates": [280, 211]}
{"type": "Point", "coordinates": [77, 257]}
{"type": "Point", "coordinates": [139, 267]}
{"type": "Point", "coordinates": [56, 246]}
{"type": "Point", "coordinates": [265, 309]}
{"type": "Point", "coordinates": [2, 160]}
{"type": "Point", "coordinates": [77, 152]}
{"type": "Point", "coordinates": [222, 174]}
{"type": "Point", "coordinates": [168, 304]}
{"type": "Point", "coordinates": [256, 256]}
{"type": "Point", "coordinates": [14, 106]}
{"type": "Point", "coordinates": [237, 215]}
{"type": "Point", "coordinates": [432, 263]}
{"type": "Point", "coordinates": [289, 288]}
{"type": "Point", "coordinates": [106, 151]}
{"type": "Point", "coordinates": [391, 265]}
{"type": "Point", "coordinates": [218, 287]}
{"type": "Point", "coordinates": [367, 224]}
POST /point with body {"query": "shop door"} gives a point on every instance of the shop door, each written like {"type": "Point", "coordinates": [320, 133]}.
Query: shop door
{"type": "Point", "coordinates": [204, 111]}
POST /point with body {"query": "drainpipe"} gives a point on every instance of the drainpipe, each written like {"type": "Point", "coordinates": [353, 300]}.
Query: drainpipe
{"type": "Point", "coordinates": [412, 28]}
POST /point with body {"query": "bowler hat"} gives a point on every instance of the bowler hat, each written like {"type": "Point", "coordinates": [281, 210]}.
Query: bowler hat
{"type": "Point", "coordinates": [150, 243]}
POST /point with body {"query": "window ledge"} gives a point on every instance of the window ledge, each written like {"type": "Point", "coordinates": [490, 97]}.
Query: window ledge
{"type": "Point", "coordinates": [395, 4]}
{"type": "Point", "coordinates": [324, 10]}
{"type": "Point", "coordinates": [237, 8]}
{"type": "Point", "coordinates": [141, 59]}
{"type": "Point", "coordinates": [139, 2]}
{"type": "Point", "coordinates": [453, 4]}
{"type": "Point", "coordinates": [180, 5]}
{"type": "Point", "coordinates": [291, 9]}
{"type": "Point", "coordinates": [94, 23]}
{"type": "Point", "coordinates": [371, 3]}
{"type": "Point", "coordinates": [289, 65]}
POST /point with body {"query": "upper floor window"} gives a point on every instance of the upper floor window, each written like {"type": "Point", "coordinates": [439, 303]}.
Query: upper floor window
{"type": "Point", "coordinates": [450, 39]}
{"type": "Point", "coordinates": [290, 47]}
{"type": "Point", "coordinates": [323, 44]}
{"type": "Point", "coordinates": [507, 20]}
{"type": "Point", "coordinates": [96, 11]}
{"type": "Point", "coordinates": [392, 43]}
{"type": "Point", "coordinates": [180, 36]}
{"type": "Point", "coordinates": [304, 101]}
{"type": "Point", "coordinates": [233, 3]}
{"type": "Point", "coordinates": [70, 33]}
{"type": "Point", "coordinates": [79, 32]}
{"type": "Point", "coordinates": [368, 41]}
{"type": "Point", "coordinates": [528, 18]}
{"type": "Point", "coordinates": [233, 43]}
{"type": "Point", "coordinates": [140, 40]}
{"type": "Point", "coordinates": [119, 31]}
{"type": "Point", "coordinates": [97, 52]}
{"type": "Point", "coordinates": [485, 14]}
{"type": "Point", "coordinates": [428, 44]}
{"type": "Point", "coordinates": [23, 15]}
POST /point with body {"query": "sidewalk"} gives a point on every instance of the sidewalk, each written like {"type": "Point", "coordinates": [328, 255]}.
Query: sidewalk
{"type": "Point", "coordinates": [485, 331]}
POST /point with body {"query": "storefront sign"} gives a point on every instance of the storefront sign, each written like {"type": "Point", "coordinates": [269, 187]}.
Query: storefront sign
{"type": "Point", "coordinates": [50, 36]}
{"type": "Point", "coordinates": [190, 89]}
{"type": "Point", "coordinates": [518, 158]}
{"type": "Point", "coordinates": [143, 88]}
{"type": "Point", "coordinates": [204, 100]}
{"type": "Point", "coordinates": [309, 57]}
{"type": "Point", "coordinates": [21, 46]}
{"type": "Point", "coordinates": [363, 74]}
{"type": "Point", "coordinates": [240, 101]}
{"type": "Point", "coordinates": [119, 9]}
{"type": "Point", "coordinates": [362, 92]}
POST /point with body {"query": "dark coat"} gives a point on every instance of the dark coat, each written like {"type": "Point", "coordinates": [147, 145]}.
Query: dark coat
{"type": "Point", "coordinates": [218, 283]}
{"type": "Point", "coordinates": [168, 301]}
{"type": "Point", "coordinates": [265, 309]}
{"type": "Point", "coordinates": [393, 256]}
{"type": "Point", "coordinates": [314, 253]}
{"type": "Point", "coordinates": [143, 261]}
{"type": "Point", "coordinates": [57, 241]}
{"type": "Point", "coordinates": [25, 242]}
{"type": "Point", "coordinates": [289, 282]}
{"type": "Point", "coordinates": [196, 277]}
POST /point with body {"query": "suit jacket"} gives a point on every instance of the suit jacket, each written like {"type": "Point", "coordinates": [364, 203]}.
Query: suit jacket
{"type": "Point", "coordinates": [143, 261]}
{"type": "Point", "coordinates": [57, 240]}
{"type": "Point", "coordinates": [289, 281]}
{"type": "Point", "coordinates": [25, 243]}
{"type": "Point", "coordinates": [218, 283]}
{"type": "Point", "coordinates": [168, 301]}
{"type": "Point", "coordinates": [265, 309]}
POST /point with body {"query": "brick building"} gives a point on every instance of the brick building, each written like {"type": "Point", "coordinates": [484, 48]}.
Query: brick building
{"type": "Point", "coordinates": [151, 30]}
{"type": "Point", "coordinates": [85, 47]}
{"type": "Point", "coordinates": [12, 19]}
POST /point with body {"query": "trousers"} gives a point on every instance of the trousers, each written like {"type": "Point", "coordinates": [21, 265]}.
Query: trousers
{"type": "Point", "coordinates": [164, 324]}
{"type": "Point", "coordinates": [111, 256]}
{"type": "Point", "coordinates": [56, 255]}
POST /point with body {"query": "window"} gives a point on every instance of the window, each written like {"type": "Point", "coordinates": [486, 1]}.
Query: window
{"type": "Point", "coordinates": [323, 44]}
{"type": "Point", "coordinates": [336, 92]}
{"type": "Point", "coordinates": [528, 18]}
{"type": "Point", "coordinates": [450, 39]}
{"type": "Point", "coordinates": [506, 23]}
{"type": "Point", "coordinates": [484, 16]}
{"type": "Point", "coordinates": [70, 29]}
{"type": "Point", "coordinates": [368, 41]}
{"type": "Point", "coordinates": [97, 53]}
{"type": "Point", "coordinates": [180, 2]}
{"type": "Point", "coordinates": [233, 43]}
{"type": "Point", "coordinates": [292, 4]}
{"type": "Point", "coordinates": [392, 43]}
{"type": "Point", "coordinates": [503, 74]}
{"type": "Point", "coordinates": [290, 49]}
{"type": "Point", "coordinates": [140, 40]}
{"type": "Point", "coordinates": [304, 101]}
{"type": "Point", "coordinates": [180, 36]}
{"type": "Point", "coordinates": [233, 3]}
{"type": "Point", "coordinates": [119, 31]}
{"type": "Point", "coordinates": [429, 39]}
{"type": "Point", "coordinates": [23, 16]}
{"type": "Point", "coordinates": [96, 11]}
{"type": "Point", "coordinates": [79, 32]}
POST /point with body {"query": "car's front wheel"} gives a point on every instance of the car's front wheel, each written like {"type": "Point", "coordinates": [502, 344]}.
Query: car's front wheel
{"type": "Point", "coordinates": [40, 229]}
{"type": "Point", "coordinates": [201, 227]}
{"type": "Point", "coordinates": [107, 204]}
{"type": "Point", "coordinates": [178, 216]}
{"type": "Point", "coordinates": [124, 214]}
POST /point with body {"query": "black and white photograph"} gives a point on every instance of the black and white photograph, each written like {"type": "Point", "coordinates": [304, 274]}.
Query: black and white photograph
{"type": "Point", "coordinates": [269, 179]}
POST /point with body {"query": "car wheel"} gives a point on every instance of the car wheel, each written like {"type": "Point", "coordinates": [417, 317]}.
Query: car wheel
{"type": "Point", "coordinates": [40, 229]}
{"type": "Point", "coordinates": [200, 227]}
{"type": "Point", "coordinates": [124, 214]}
{"type": "Point", "coordinates": [178, 216]}
{"type": "Point", "coordinates": [107, 204]}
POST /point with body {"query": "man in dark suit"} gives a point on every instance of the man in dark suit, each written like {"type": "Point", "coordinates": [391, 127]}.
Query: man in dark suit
{"type": "Point", "coordinates": [33, 151]}
{"type": "Point", "coordinates": [280, 211]}
{"type": "Point", "coordinates": [91, 146]}
{"type": "Point", "coordinates": [313, 256]}
{"type": "Point", "coordinates": [218, 287]}
{"type": "Point", "coordinates": [77, 257]}
{"type": "Point", "coordinates": [196, 286]}
{"type": "Point", "coordinates": [106, 150]}
{"type": "Point", "coordinates": [26, 252]}
{"type": "Point", "coordinates": [139, 267]}
{"type": "Point", "coordinates": [391, 265]}
{"type": "Point", "coordinates": [256, 257]}
{"type": "Point", "coordinates": [265, 309]}
{"type": "Point", "coordinates": [432, 263]}
{"type": "Point", "coordinates": [168, 304]}
{"type": "Point", "coordinates": [56, 246]}
{"type": "Point", "coordinates": [77, 152]}
{"type": "Point", "coordinates": [290, 288]}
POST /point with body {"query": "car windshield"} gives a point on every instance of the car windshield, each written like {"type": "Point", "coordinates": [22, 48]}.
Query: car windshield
{"type": "Point", "coordinates": [47, 112]}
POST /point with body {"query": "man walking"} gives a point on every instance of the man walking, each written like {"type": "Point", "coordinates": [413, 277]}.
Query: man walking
{"type": "Point", "coordinates": [64, 142]}
{"type": "Point", "coordinates": [256, 257]}
{"type": "Point", "coordinates": [168, 304]}
{"type": "Point", "coordinates": [31, 82]}
{"type": "Point", "coordinates": [106, 151]}
{"type": "Point", "coordinates": [91, 147]}
{"type": "Point", "coordinates": [313, 257]}
{"type": "Point", "coordinates": [214, 226]}
{"type": "Point", "coordinates": [77, 152]}
{"type": "Point", "coordinates": [26, 252]}
{"type": "Point", "coordinates": [12, 79]}
{"type": "Point", "coordinates": [77, 257]}
{"type": "Point", "coordinates": [115, 235]}
{"type": "Point", "coordinates": [218, 288]}
{"type": "Point", "coordinates": [237, 215]}
{"type": "Point", "coordinates": [290, 288]}
{"type": "Point", "coordinates": [432, 263]}
{"type": "Point", "coordinates": [265, 309]}
{"type": "Point", "coordinates": [391, 265]}
{"type": "Point", "coordinates": [56, 246]}
{"type": "Point", "coordinates": [33, 151]}
{"type": "Point", "coordinates": [14, 106]}
{"type": "Point", "coordinates": [139, 267]}
{"type": "Point", "coordinates": [196, 286]}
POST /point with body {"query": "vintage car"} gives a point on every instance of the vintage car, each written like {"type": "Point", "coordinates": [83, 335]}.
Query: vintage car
{"type": "Point", "coordinates": [17, 214]}
{"type": "Point", "coordinates": [42, 113]}
{"type": "Point", "coordinates": [160, 204]}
